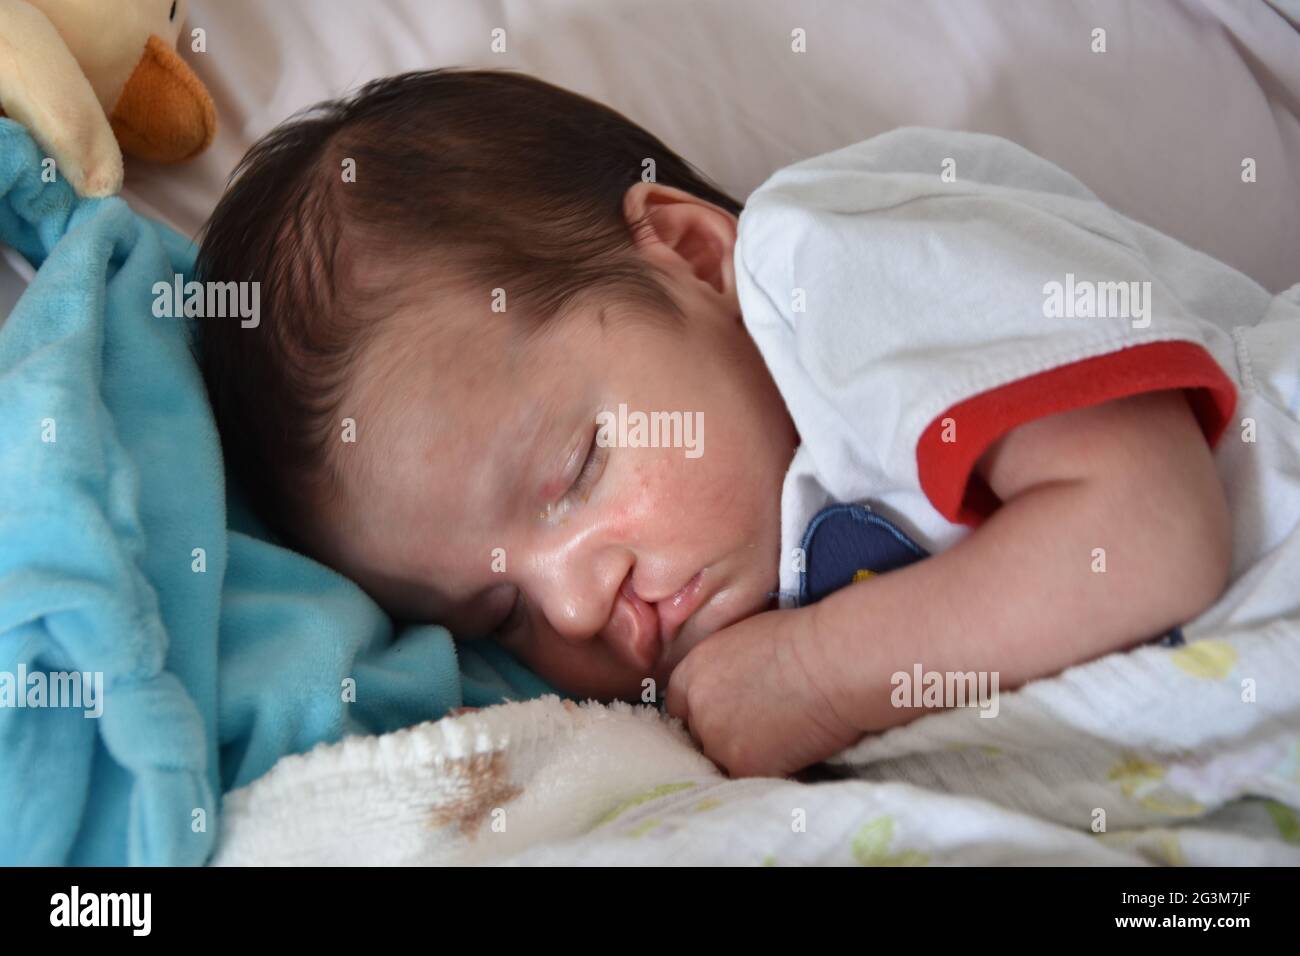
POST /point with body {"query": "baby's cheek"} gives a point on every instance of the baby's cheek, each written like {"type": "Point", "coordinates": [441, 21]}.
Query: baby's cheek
{"type": "Point", "coordinates": [714, 484]}
{"type": "Point", "coordinates": [587, 669]}
{"type": "Point", "coordinates": [696, 494]}
{"type": "Point", "coordinates": [643, 493]}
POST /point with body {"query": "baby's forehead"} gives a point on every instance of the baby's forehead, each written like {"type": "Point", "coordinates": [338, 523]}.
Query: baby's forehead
{"type": "Point", "coordinates": [472, 351]}
{"type": "Point", "coordinates": [444, 395]}
{"type": "Point", "coordinates": [430, 346]}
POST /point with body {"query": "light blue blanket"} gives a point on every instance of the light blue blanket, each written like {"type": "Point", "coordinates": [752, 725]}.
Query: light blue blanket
{"type": "Point", "coordinates": [217, 651]}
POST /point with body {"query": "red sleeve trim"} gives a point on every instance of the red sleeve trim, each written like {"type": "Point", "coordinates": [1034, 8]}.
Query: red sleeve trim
{"type": "Point", "coordinates": [947, 468]}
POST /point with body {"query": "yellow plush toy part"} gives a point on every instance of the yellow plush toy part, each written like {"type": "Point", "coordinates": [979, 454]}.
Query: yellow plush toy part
{"type": "Point", "coordinates": [93, 78]}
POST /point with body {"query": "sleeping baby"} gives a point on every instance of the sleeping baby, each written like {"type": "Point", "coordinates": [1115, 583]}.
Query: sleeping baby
{"type": "Point", "coordinates": [961, 418]}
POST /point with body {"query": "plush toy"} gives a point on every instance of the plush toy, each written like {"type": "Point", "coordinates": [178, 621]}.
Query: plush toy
{"type": "Point", "coordinates": [93, 78]}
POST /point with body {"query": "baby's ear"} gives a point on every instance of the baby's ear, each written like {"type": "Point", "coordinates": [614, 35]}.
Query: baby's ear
{"type": "Point", "coordinates": [682, 232]}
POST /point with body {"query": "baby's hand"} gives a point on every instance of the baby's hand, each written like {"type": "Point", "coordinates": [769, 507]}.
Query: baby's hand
{"type": "Point", "coordinates": [752, 696]}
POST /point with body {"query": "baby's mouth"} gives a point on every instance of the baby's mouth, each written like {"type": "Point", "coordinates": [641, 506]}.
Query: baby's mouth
{"type": "Point", "coordinates": [677, 609]}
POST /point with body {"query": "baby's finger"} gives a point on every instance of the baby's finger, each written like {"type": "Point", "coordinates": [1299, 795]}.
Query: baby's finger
{"type": "Point", "coordinates": [675, 700]}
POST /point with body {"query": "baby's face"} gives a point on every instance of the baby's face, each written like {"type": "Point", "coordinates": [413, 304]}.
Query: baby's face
{"type": "Point", "coordinates": [489, 504]}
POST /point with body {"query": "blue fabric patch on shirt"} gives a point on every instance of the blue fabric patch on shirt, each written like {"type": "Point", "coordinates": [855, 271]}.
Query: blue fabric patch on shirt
{"type": "Point", "coordinates": [844, 542]}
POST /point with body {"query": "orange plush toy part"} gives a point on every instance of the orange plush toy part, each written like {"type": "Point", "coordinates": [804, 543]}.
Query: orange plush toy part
{"type": "Point", "coordinates": [93, 78]}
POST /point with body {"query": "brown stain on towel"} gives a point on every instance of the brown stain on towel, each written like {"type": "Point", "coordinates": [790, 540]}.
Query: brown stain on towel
{"type": "Point", "coordinates": [477, 785]}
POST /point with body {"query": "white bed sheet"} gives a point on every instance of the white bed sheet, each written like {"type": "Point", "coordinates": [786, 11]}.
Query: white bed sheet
{"type": "Point", "coordinates": [1158, 125]}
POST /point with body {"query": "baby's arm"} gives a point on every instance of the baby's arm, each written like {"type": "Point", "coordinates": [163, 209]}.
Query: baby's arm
{"type": "Point", "coordinates": [1020, 595]}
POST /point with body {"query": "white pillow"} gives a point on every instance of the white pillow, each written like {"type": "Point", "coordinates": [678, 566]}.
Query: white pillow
{"type": "Point", "coordinates": [1158, 125]}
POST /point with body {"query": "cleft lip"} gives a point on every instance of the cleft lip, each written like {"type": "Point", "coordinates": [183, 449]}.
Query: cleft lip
{"type": "Point", "coordinates": [638, 637]}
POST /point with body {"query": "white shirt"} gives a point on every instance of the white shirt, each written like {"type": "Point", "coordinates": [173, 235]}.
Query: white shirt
{"type": "Point", "coordinates": [918, 295]}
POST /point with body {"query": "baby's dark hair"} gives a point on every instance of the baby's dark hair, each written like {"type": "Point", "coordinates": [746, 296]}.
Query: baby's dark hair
{"type": "Point", "coordinates": [471, 180]}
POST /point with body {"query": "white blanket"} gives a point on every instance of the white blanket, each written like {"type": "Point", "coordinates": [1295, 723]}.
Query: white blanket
{"type": "Point", "coordinates": [1182, 756]}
